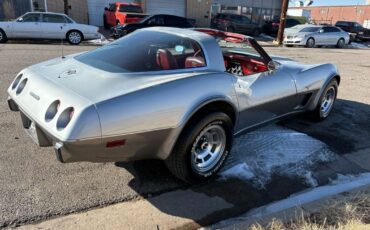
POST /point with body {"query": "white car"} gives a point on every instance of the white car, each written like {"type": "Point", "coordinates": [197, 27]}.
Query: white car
{"type": "Point", "coordinates": [313, 35]}
{"type": "Point", "coordinates": [40, 25]}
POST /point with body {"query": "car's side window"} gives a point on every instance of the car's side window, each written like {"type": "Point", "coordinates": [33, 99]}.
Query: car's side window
{"type": "Point", "coordinates": [246, 20]}
{"type": "Point", "coordinates": [112, 7]}
{"type": "Point", "coordinates": [156, 20]}
{"type": "Point", "coordinates": [68, 20]}
{"type": "Point", "coordinates": [31, 18]}
{"type": "Point", "coordinates": [161, 52]}
{"type": "Point", "coordinates": [53, 18]}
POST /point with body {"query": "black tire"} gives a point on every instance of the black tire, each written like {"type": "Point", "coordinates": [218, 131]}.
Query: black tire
{"type": "Point", "coordinates": [3, 37]}
{"type": "Point", "coordinates": [288, 45]}
{"type": "Point", "coordinates": [74, 37]}
{"type": "Point", "coordinates": [256, 32]}
{"type": "Point", "coordinates": [310, 43]}
{"type": "Point", "coordinates": [106, 26]}
{"type": "Point", "coordinates": [318, 114]}
{"type": "Point", "coordinates": [341, 43]}
{"type": "Point", "coordinates": [230, 29]}
{"type": "Point", "coordinates": [180, 162]}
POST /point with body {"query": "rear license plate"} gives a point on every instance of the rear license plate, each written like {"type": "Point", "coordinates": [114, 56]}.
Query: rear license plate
{"type": "Point", "coordinates": [37, 135]}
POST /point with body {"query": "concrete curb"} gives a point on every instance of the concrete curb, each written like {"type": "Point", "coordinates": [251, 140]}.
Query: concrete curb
{"type": "Point", "coordinates": [298, 211]}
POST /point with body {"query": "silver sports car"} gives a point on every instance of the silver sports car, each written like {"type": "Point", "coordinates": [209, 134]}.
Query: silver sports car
{"type": "Point", "coordinates": [173, 94]}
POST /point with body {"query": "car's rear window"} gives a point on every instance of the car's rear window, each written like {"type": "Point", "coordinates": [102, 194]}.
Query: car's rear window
{"type": "Point", "coordinates": [143, 51]}
{"type": "Point", "coordinates": [310, 29]}
{"type": "Point", "coordinates": [130, 9]}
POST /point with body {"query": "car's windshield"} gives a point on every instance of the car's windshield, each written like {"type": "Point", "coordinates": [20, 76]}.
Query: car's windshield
{"type": "Point", "coordinates": [243, 47]}
{"type": "Point", "coordinates": [310, 29]}
{"type": "Point", "coordinates": [136, 53]}
{"type": "Point", "coordinates": [130, 9]}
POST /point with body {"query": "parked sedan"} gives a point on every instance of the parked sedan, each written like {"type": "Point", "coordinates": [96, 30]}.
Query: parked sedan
{"type": "Point", "coordinates": [150, 21]}
{"type": "Point", "coordinates": [39, 25]}
{"type": "Point", "coordinates": [174, 94]}
{"type": "Point", "coordinates": [311, 36]}
{"type": "Point", "coordinates": [235, 23]}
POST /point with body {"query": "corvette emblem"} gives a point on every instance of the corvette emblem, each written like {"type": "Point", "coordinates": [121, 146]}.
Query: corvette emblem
{"type": "Point", "coordinates": [34, 95]}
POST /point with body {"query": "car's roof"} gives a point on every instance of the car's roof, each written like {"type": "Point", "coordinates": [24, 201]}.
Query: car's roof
{"type": "Point", "coordinates": [192, 34]}
{"type": "Point", "coordinates": [36, 12]}
{"type": "Point", "coordinates": [166, 15]}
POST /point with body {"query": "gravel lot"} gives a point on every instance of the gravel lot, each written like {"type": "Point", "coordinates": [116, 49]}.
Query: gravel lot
{"type": "Point", "coordinates": [35, 186]}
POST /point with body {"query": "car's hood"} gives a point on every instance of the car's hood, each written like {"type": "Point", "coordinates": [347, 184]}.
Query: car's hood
{"type": "Point", "coordinates": [292, 66]}
{"type": "Point", "coordinates": [97, 85]}
{"type": "Point", "coordinates": [5, 23]}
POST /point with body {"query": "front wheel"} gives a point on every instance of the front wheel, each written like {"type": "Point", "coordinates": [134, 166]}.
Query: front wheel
{"type": "Point", "coordinates": [326, 101]}
{"type": "Point", "coordinates": [74, 37]}
{"type": "Point", "coordinates": [310, 43]}
{"type": "Point", "coordinates": [3, 37]}
{"type": "Point", "coordinates": [202, 148]}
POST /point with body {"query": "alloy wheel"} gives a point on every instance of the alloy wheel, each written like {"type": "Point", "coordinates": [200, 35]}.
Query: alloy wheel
{"type": "Point", "coordinates": [327, 101]}
{"type": "Point", "coordinates": [208, 148]}
{"type": "Point", "coordinates": [74, 37]}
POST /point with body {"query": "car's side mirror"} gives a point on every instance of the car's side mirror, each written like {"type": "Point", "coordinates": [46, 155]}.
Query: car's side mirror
{"type": "Point", "coordinates": [20, 20]}
{"type": "Point", "coordinates": [321, 31]}
{"type": "Point", "coordinates": [106, 8]}
{"type": "Point", "coordinates": [272, 66]}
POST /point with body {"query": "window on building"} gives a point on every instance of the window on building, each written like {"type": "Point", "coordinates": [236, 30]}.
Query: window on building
{"type": "Point", "coordinates": [38, 5]}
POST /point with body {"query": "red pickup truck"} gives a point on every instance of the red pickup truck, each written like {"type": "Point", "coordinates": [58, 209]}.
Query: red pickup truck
{"type": "Point", "coordinates": [122, 13]}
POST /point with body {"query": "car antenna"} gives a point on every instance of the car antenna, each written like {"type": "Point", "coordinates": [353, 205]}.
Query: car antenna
{"type": "Point", "coordinates": [61, 27]}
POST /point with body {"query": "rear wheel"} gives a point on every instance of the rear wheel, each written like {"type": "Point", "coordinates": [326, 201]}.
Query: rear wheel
{"type": "Point", "coordinates": [256, 32]}
{"type": "Point", "coordinates": [341, 43]}
{"type": "Point", "coordinates": [106, 26]}
{"type": "Point", "coordinates": [202, 148]}
{"type": "Point", "coordinates": [3, 37]}
{"type": "Point", "coordinates": [230, 29]}
{"type": "Point", "coordinates": [326, 101]}
{"type": "Point", "coordinates": [310, 43]}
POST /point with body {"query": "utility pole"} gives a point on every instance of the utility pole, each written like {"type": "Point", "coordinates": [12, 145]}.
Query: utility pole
{"type": "Point", "coordinates": [284, 9]}
{"type": "Point", "coordinates": [66, 6]}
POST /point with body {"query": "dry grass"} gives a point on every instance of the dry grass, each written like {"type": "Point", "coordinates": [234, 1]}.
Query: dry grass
{"type": "Point", "coordinates": [350, 213]}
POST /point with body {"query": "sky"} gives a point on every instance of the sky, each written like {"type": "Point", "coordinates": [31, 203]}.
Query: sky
{"type": "Point", "coordinates": [336, 2]}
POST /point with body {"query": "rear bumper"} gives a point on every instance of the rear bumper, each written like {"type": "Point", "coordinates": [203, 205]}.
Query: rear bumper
{"type": "Point", "coordinates": [12, 105]}
{"type": "Point", "coordinates": [137, 146]}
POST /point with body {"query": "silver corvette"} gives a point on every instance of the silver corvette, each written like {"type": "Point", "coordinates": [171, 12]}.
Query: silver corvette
{"type": "Point", "coordinates": [173, 94]}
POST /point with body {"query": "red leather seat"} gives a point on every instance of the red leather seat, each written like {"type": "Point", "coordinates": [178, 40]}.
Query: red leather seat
{"type": "Point", "coordinates": [166, 60]}
{"type": "Point", "coordinates": [192, 62]}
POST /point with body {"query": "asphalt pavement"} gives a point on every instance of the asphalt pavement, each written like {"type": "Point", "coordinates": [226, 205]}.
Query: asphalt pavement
{"type": "Point", "coordinates": [34, 186]}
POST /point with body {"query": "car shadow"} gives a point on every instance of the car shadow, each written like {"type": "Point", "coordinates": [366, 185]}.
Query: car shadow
{"type": "Point", "coordinates": [345, 132]}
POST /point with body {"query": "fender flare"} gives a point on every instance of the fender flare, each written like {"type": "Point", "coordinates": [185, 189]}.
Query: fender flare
{"type": "Point", "coordinates": [172, 138]}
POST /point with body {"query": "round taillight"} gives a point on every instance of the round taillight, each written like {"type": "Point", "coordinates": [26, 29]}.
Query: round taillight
{"type": "Point", "coordinates": [65, 117]}
{"type": "Point", "coordinates": [52, 111]}
{"type": "Point", "coordinates": [16, 81]}
{"type": "Point", "coordinates": [21, 86]}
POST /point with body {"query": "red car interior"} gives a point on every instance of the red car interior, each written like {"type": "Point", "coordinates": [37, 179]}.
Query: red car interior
{"type": "Point", "coordinates": [249, 65]}
{"type": "Point", "coordinates": [165, 59]}
{"type": "Point", "coordinates": [191, 62]}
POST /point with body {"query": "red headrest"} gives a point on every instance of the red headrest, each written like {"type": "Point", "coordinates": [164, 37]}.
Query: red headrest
{"type": "Point", "coordinates": [192, 62]}
{"type": "Point", "coordinates": [166, 60]}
